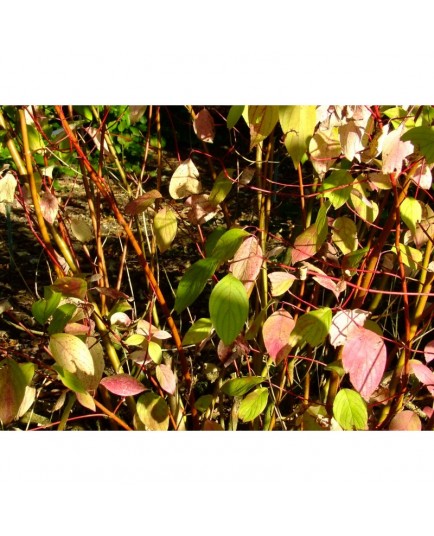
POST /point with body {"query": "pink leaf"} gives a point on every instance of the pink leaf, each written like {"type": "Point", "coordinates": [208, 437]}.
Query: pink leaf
{"type": "Point", "coordinates": [395, 151]}
{"type": "Point", "coordinates": [49, 206]}
{"type": "Point", "coordinates": [422, 176]}
{"type": "Point", "coordinates": [343, 323]}
{"type": "Point", "coordinates": [166, 378]}
{"type": "Point", "coordinates": [429, 351]}
{"type": "Point", "coordinates": [123, 385]}
{"type": "Point", "coordinates": [247, 262]}
{"type": "Point", "coordinates": [326, 282]}
{"type": "Point", "coordinates": [202, 210]}
{"type": "Point", "coordinates": [203, 125]}
{"type": "Point", "coordinates": [305, 245]}
{"type": "Point", "coordinates": [406, 421]}
{"type": "Point", "coordinates": [422, 373]}
{"type": "Point", "coordinates": [364, 356]}
{"type": "Point", "coordinates": [276, 331]}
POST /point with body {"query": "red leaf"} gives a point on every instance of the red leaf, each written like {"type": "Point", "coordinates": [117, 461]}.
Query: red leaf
{"type": "Point", "coordinates": [364, 356]}
{"type": "Point", "coordinates": [203, 125]}
{"type": "Point", "coordinates": [123, 385]}
{"type": "Point", "coordinates": [276, 331]}
{"type": "Point", "coordinates": [136, 206]}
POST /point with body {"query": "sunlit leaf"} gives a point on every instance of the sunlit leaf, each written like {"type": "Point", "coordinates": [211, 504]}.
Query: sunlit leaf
{"type": "Point", "coordinates": [424, 374]}
{"type": "Point", "coordinates": [349, 409]}
{"type": "Point", "coordinates": [12, 390]}
{"type": "Point", "coordinates": [367, 209]}
{"type": "Point", "coordinates": [351, 140]}
{"type": "Point", "coordinates": [423, 138]}
{"type": "Point", "coordinates": [276, 331]}
{"type": "Point", "coordinates": [411, 212]}
{"type": "Point", "coordinates": [311, 328]}
{"type": "Point", "coordinates": [136, 113]}
{"type": "Point", "coordinates": [44, 308]}
{"type": "Point", "coordinates": [81, 230]}
{"type": "Point", "coordinates": [166, 378]}
{"type": "Point", "coordinates": [71, 353]}
{"type": "Point", "coordinates": [423, 176]}
{"type": "Point", "coordinates": [364, 356]}
{"type": "Point", "coordinates": [204, 127]}
{"type": "Point", "coordinates": [221, 187]}
{"type": "Point", "coordinates": [123, 385]}
{"type": "Point", "coordinates": [241, 386]}
{"type": "Point", "coordinates": [7, 188]}
{"type": "Point", "coordinates": [165, 227]}
{"type": "Point", "coordinates": [185, 180]}
{"type": "Point", "coordinates": [229, 308]}
{"type": "Point", "coordinates": [379, 181]}
{"type": "Point", "coordinates": [141, 203]}
{"type": "Point", "coordinates": [86, 400]}
{"type": "Point", "coordinates": [153, 411]}
{"type": "Point", "coordinates": [61, 316]}
{"type": "Point", "coordinates": [344, 234]}
{"type": "Point", "coordinates": [343, 323]}
{"type": "Point", "coordinates": [74, 287]}
{"type": "Point", "coordinates": [411, 257]}
{"type": "Point", "coordinates": [253, 404]}
{"type": "Point", "coordinates": [298, 125]}
{"type": "Point", "coordinates": [49, 206]}
{"type": "Point", "coordinates": [395, 150]}
{"type": "Point", "coordinates": [228, 243]}
{"type": "Point", "coordinates": [193, 282]}
{"type": "Point", "coordinates": [337, 187]}
{"type": "Point", "coordinates": [406, 421]}
{"type": "Point", "coordinates": [200, 330]}
{"type": "Point", "coordinates": [201, 209]}
{"type": "Point", "coordinates": [235, 112]}
{"type": "Point", "coordinates": [305, 244]}
{"type": "Point", "coordinates": [247, 263]}
{"type": "Point", "coordinates": [280, 282]}
{"type": "Point", "coordinates": [262, 120]}
{"type": "Point", "coordinates": [324, 150]}
{"type": "Point", "coordinates": [428, 351]}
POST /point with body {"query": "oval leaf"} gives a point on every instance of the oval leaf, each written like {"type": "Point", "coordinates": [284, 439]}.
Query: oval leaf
{"type": "Point", "coordinates": [81, 230]}
{"type": "Point", "coordinates": [344, 234]}
{"type": "Point", "coordinates": [364, 356]}
{"type": "Point", "coordinates": [276, 331]}
{"type": "Point", "coordinates": [229, 308]}
{"type": "Point", "coordinates": [241, 386]}
{"type": "Point", "coordinates": [166, 378]}
{"type": "Point", "coordinates": [165, 227]}
{"type": "Point", "coordinates": [153, 411]}
{"type": "Point", "coordinates": [253, 404]}
{"type": "Point", "coordinates": [311, 328]}
{"type": "Point", "coordinates": [280, 282]}
{"type": "Point", "coordinates": [406, 421]}
{"type": "Point", "coordinates": [228, 244]}
{"type": "Point", "coordinates": [185, 180]}
{"type": "Point", "coordinates": [203, 125]}
{"type": "Point", "coordinates": [123, 385]}
{"type": "Point", "coordinates": [199, 331]}
{"type": "Point", "coordinates": [193, 282]}
{"type": "Point", "coordinates": [71, 353]}
{"type": "Point", "coordinates": [343, 323]}
{"type": "Point", "coordinates": [428, 351]}
{"type": "Point", "coordinates": [298, 124]}
{"type": "Point", "coordinates": [305, 245]}
{"type": "Point", "coordinates": [247, 263]}
{"type": "Point", "coordinates": [424, 374]}
{"type": "Point", "coordinates": [349, 409]}
{"type": "Point", "coordinates": [411, 212]}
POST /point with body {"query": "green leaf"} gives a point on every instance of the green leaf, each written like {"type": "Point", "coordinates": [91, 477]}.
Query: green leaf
{"type": "Point", "coordinates": [69, 379]}
{"type": "Point", "coordinates": [261, 120]}
{"type": "Point", "coordinates": [203, 403]}
{"type": "Point", "coordinates": [298, 125]}
{"type": "Point", "coordinates": [228, 243]}
{"type": "Point", "coordinates": [241, 386]}
{"type": "Point", "coordinates": [72, 354]}
{"type": "Point", "coordinates": [165, 227]}
{"type": "Point", "coordinates": [423, 138]}
{"type": "Point", "coordinates": [28, 370]}
{"type": "Point", "coordinates": [13, 384]}
{"type": "Point", "coordinates": [344, 234]}
{"type": "Point", "coordinates": [62, 315]}
{"type": "Point", "coordinates": [199, 331]}
{"type": "Point", "coordinates": [153, 411]}
{"type": "Point", "coordinates": [193, 282]}
{"type": "Point", "coordinates": [212, 240]}
{"type": "Point", "coordinates": [311, 328]}
{"type": "Point", "coordinates": [44, 308]}
{"type": "Point", "coordinates": [253, 404]}
{"type": "Point", "coordinates": [411, 212]}
{"type": "Point", "coordinates": [229, 308]}
{"type": "Point", "coordinates": [322, 224]}
{"type": "Point", "coordinates": [337, 187]}
{"type": "Point", "coordinates": [336, 366]}
{"type": "Point", "coordinates": [411, 257]}
{"type": "Point", "coordinates": [221, 187]}
{"type": "Point", "coordinates": [350, 410]}
{"type": "Point", "coordinates": [234, 115]}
